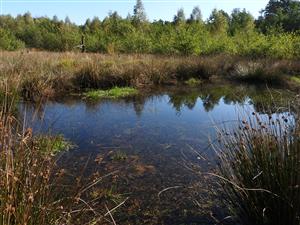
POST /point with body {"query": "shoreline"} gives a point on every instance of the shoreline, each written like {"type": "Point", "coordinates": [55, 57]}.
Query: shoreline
{"type": "Point", "coordinates": [35, 75]}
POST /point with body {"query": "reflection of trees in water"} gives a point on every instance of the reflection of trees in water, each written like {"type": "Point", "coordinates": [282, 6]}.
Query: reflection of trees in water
{"type": "Point", "coordinates": [183, 99]}
{"type": "Point", "coordinates": [274, 101]}
{"type": "Point", "coordinates": [210, 101]}
{"type": "Point", "coordinates": [137, 102]}
{"type": "Point", "coordinates": [138, 105]}
{"type": "Point", "coordinates": [210, 97]}
{"type": "Point", "coordinates": [264, 100]}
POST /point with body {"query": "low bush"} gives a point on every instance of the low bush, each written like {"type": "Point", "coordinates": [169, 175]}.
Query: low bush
{"type": "Point", "coordinates": [9, 42]}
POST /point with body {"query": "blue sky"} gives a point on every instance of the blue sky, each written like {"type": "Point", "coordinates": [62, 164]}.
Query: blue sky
{"type": "Point", "coordinates": [79, 10]}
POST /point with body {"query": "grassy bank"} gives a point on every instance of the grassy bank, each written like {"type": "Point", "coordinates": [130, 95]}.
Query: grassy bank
{"type": "Point", "coordinates": [41, 74]}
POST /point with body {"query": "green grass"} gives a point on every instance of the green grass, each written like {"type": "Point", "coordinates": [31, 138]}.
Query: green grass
{"type": "Point", "coordinates": [116, 92]}
{"type": "Point", "coordinates": [96, 94]}
{"type": "Point", "coordinates": [295, 79]}
{"type": "Point", "coordinates": [193, 82]}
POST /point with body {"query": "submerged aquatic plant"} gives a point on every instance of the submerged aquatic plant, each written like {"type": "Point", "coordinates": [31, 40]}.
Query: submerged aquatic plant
{"type": "Point", "coordinates": [55, 143]}
{"type": "Point", "coordinates": [119, 156]}
{"type": "Point", "coordinates": [260, 170]}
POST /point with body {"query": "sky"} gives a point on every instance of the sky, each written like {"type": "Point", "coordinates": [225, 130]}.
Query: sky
{"type": "Point", "coordinates": [79, 10]}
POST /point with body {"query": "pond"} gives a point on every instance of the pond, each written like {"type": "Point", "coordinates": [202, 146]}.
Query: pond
{"type": "Point", "coordinates": [157, 144]}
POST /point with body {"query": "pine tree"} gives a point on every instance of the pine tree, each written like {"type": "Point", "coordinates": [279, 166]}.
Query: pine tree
{"type": "Point", "coordinates": [55, 19]}
{"type": "Point", "coordinates": [179, 17]}
{"type": "Point", "coordinates": [28, 18]}
{"type": "Point", "coordinates": [196, 15]}
{"type": "Point", "coordinates": [241, 21]}
{"type": "Point", "coordinates": [139, 14]}
{"type": "Point", "coordinates": [219, 22]}
{"type": "Point", "coordinates": [67, 20]}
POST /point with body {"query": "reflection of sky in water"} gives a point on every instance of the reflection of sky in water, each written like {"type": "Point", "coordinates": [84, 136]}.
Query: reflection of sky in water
{"type": "Point", "coordinates": [116, 123]}
{"type": "Point", "coordinates": [148, 124]}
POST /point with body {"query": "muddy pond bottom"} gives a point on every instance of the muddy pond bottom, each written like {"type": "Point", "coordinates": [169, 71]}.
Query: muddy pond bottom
{"type": "Point", "coordinates": [154, 147]}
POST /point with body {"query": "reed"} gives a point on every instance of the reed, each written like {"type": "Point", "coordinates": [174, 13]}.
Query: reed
{"type": "Point", "coordinates": [259, 170]}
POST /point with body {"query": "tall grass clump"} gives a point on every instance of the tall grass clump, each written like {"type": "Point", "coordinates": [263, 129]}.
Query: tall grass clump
{"type": "Point", "coordinates": [259, 170]}
{"type": "Point", "coordinates": [33, 188]}
{"type": "Point", "coordinates": [260, 72]}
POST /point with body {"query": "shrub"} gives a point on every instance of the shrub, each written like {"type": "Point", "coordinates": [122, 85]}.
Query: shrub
{"type": "Point", "coordinates": [9, 42]}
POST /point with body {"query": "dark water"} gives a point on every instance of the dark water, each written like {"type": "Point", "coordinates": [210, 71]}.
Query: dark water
{"type": "Point", "coordinates": [154, 141]}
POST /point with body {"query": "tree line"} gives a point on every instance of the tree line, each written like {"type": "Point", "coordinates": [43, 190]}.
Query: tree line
{"type": "Point", "coordinates": [274, 34]}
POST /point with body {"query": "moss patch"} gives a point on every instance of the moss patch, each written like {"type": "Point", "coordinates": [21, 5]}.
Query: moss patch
{"type": "Point", "coordinates": [296, 79]}
{"type": "Point", "coordinates": [116, 92]}
{"type": "Point", "coordinates": [193, 82]}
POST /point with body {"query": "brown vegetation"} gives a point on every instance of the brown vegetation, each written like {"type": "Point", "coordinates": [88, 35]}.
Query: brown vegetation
{"type": "Point", "coordinates": [43, 74]}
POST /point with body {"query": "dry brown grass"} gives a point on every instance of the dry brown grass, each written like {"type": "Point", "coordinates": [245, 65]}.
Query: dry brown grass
{"type": "Point", "coordinates": [44, 74]}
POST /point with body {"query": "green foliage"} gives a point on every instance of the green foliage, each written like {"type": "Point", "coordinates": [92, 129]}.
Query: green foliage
{"type": "Point", "coordinates": [115, 92]}
{"type": "Point", "coordinates": [218, 22]}
{"type": "Point", "coordinates": [54, 144]}
{"type": "Point", "coordinates": [185, 41]}
{"type": "Point", "coordinates": [9, 42]}
{"type": "Point", "coordinates": [281, 13]}
{"type": "Point", "coordinates": [241, 21]}
{"type": "Point", "coordinates": [137, 42]}
{"type": "Point", "coordinates": [236, 34]}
